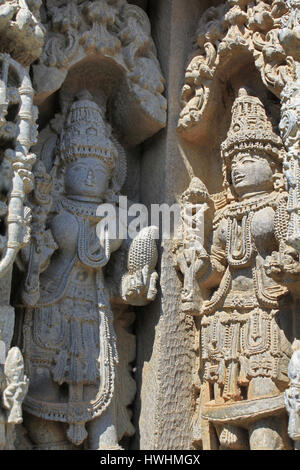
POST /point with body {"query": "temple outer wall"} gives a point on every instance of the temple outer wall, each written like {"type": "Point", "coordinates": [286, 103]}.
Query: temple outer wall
{"type": "Point", "coordinates": [167, 340]}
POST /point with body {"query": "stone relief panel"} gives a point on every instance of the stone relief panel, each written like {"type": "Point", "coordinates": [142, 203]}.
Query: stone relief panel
{"type": "Point", "coordinates": [99, 91]}
{"type": "Point", "coordinates": [242, 398]}
{"type": "Point", "coordinates": [244, 280]}
{"type": "Point", "coordinates": [289, 126]}
{"type": "Point", "coordinates": [236, 30]}
{"type": "Point", "coordinates": [70, 343]}
{"type": "Point", "coordinates": [22, 39]}
{"type": "Point", "coordinates": [79, 35]}
{"type": "Point", "coordinates": [99, 88]}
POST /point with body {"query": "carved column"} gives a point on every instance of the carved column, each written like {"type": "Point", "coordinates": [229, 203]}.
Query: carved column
{"type": "Point", "coordinates": [22, 38]}
{"type": "Point", "coordinates": [99, 89]}
{"type": "Point", "coordinates": [243, 47]}
{"type": "Point", "coordinates": [290, 131]}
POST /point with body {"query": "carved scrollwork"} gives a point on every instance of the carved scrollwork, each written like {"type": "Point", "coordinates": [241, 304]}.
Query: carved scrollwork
{"type": "Point", "coordinates": [22, 34]}
{"type": "Point", "coordinates": [237, 26]}
{"type": "Point", "coordinates": [90, 32]}
{"type": "Point", "coordinates": [237, 282]}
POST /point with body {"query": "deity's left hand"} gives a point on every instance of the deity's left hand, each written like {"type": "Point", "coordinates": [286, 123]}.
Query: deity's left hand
{"type": "Point", "coordinates": [139, 288]}
{"type": "Point", "coordinates": [283, 266]}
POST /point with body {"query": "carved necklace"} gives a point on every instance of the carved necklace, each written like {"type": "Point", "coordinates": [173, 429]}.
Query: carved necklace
{"type": "Point", "coordinates": [89, 257]}
{"type": "Point", "coordinates": [239, 246]}
{"type": "Point", "coordinates": [87, 210]}
{"type": "Point", "coordinates": [241, 208]}
{"type": "Point", "coordinates": [81, 208]}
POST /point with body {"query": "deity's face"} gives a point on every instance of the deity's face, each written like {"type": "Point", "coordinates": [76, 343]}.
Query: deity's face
{"type": "Point", "coordinates": [251, 173]}
{"type": "Point", "coordinates": [87, 177]}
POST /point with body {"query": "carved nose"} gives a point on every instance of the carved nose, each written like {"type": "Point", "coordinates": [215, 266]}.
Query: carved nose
{"type": "Point", "coordinates": [90, 180]}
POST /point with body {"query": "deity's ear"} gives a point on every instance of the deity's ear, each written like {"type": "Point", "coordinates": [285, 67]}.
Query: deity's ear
{"type": "Point", "coordinates": [229, 194]}
{"type": "Point", "coordinates": [227, 183]}
{"type": "Point", "coordinates": [111, 196]}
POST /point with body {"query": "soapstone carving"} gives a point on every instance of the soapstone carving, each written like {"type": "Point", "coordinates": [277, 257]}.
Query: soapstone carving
{"type": "Point", "coordinates": [71, 292]}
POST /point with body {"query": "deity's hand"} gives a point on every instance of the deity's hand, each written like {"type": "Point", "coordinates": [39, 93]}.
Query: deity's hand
{"type": "Point", "coordinates": [193, 256]}
{"type": "Point", "coordinates": [139, 288]}
{"type": "Point", "coordinates": [283, 266]}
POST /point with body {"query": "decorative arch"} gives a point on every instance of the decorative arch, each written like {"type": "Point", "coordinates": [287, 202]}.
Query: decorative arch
{"type": "Point", "coordinates": [229, 37]}
{"type": "Point", "coordinates": [109, 43]}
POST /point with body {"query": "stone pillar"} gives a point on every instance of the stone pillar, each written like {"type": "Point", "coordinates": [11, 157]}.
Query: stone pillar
{"type": "Point", "coordinates": [167, 339]}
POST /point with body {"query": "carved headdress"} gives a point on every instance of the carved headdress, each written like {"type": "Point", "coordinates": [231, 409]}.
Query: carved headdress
{"type": "Point", "coordinates": [250, 130]}
{"type": "Point", "coordinates": [86, 133]}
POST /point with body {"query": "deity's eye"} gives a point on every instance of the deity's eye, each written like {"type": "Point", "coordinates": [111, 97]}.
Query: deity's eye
{"type": "Point", "coordinates": [91, 131]}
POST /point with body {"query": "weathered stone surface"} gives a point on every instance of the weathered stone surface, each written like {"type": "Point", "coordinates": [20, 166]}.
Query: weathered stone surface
{"type": "Point", "coordinates": [22, 37]}
{"type": "Point", "coordinates": [245, 325]}
{"type": "Point", "coordinates": [224, 34]}
{"type": "Point", "coordinates": [213, 362]}
{"type": "Point", "coordinates": [109, 46]}
{"type": "Point", "coordinates": [70, 341]}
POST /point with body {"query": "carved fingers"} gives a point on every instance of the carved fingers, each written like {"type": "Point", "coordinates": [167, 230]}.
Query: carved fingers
{"type": "Point", "coordinates": [139, 288]}
{"type": "Point", "coordinates": [283, 266]}
{"type": "Point", "coordinates": [273, 265]}
{"type": "Point", "coordinates": [193, 258]}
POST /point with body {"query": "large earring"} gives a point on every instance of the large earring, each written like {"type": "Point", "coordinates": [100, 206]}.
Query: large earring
{"type": "Point", "coordinates": [111, 197]}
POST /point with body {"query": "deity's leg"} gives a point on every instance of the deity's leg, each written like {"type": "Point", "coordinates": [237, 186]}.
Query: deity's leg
{"type": "Point", "coordinates": [102, 434]}
{"type": "Point", "coordinates": [46, 435]}
{"type": "Point", "coordinates": [269, 434]}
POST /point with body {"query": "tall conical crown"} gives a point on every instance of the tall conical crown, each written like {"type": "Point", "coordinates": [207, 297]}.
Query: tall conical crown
{"type": "Point", "coordinates": [86, 134]}
{"type": "Point", "coordinates": [250, 129]}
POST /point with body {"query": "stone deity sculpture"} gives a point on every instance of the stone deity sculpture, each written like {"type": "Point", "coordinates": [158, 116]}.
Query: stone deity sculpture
{"type": "Point", "coordinates": [69, 337]}
{"type": "Point", "coordinates": [248, 277]}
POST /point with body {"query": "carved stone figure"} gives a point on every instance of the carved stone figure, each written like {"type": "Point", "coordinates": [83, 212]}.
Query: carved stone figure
{"type": "Point", "coordinates": [100, 38]}
{"type": "Point", "coordinates": [289, 126]}
{"type": "Point", "coordinates": [15, 388]}
{"type": "Point", "coordinates": [248, 276]}
{"type": "Point", "coordinates": [69, 338]}
{"type": "Point", "coordinates": [18, 134]}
